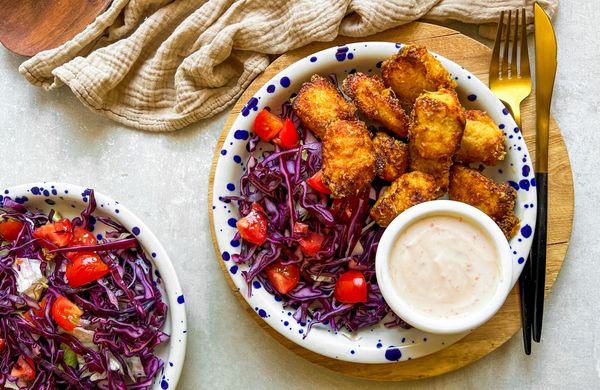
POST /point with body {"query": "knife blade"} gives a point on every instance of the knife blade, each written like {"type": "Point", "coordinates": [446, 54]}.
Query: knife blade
{"type": "Point", "coordinates": [545, 71]}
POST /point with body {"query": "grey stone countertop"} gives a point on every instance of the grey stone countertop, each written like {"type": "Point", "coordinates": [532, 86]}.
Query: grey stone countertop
{"type": "Point", "coordinates": [163, 178]}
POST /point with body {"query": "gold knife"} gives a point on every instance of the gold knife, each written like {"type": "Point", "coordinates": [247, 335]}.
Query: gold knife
{"type": "Point", "coordinates": [545, 70]}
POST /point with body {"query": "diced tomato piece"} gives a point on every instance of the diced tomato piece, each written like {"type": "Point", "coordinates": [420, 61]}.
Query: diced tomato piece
{"type": "Point", "coordinates": [59, 233]}
{"type": "Point", "coordinates": [267, 125]}
{"type": "Point", "coordinates": [24, 369]}
{"type": "Point", "coordinates": [253, 227]}
{"type": "Point", "coordinates": [258, 208]}
{"type": "Point", "coordinates": [2, 344]}
{"type": "Point", "coordinates": [288, 136]}
{"type": "Point", "coordinates": [38, 312]}
{"type": "Point", "coordinates": [311, 244]}
{"type": "Point", "coordinates": [316, 182]}
{"type": "Point", "coordinates": [300, 228]}
{"type": "Point", "coordinates": [82, 237]}
{"type": "Point", "coordinates": [85, 268]}
{"type": "Point", "coordinates": [343, 209]}
{"type": "Point", "coordinates": [351, 287]}
{"type": "Point", "coordinates": [65, 313]}
{"type": "Point", "coordinates": [283, 277]}
{"type": "Point", "coordinates": [10, 229]}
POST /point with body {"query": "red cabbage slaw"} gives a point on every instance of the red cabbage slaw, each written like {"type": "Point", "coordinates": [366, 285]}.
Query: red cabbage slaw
{"type": "Point", "coordinates": [123, 312]}
{"type": "Point", "coordinates": [277, 181]}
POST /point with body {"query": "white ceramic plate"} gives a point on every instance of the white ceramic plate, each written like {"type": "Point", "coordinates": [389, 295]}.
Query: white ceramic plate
{"type": "Point", "coordinates": [377, 344]}
{"type": "Point", "coordinates": [69, 200]}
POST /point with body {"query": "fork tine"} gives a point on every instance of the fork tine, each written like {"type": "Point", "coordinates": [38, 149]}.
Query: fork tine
{"type": "Point", "coordinates": [524, 71]}
{"type": "Point", "coordinates": [494, 64]}
{"type": "Point", "coordinates": [504, 69]}
{"type": "Point", "coordinates": [513, 59]}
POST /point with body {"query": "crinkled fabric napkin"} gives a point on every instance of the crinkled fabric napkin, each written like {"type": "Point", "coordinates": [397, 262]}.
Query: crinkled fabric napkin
{"type": "Point", "coordinates": [160, 65]}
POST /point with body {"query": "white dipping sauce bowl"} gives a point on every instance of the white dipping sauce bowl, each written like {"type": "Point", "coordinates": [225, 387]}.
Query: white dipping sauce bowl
{"type": "Point", "coordinates": [407, 312]}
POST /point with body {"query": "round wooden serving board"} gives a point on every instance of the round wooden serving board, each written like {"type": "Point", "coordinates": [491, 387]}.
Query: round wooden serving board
{"type": "Point", "coordinates": [475, 57]}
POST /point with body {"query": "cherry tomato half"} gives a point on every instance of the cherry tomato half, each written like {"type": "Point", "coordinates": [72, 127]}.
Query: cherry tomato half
{"type": "Point", "coordinates": [84, 268]}
{"type": "Point", "coordinates": [2, 344]}
{"type": "Point", "coordinates": [283, 277]}
{"type": "Point", "coordinates": [24, 369]}
{"type": "Point", "coordinates": [311, 244]}
{"type": "Point", "coordinates": [253, 227]}
{"type": "Point", "coordinates": [10, 229]}
{"type": "Point", "coordinates": [267, 125]}
{"type": "Point", "coordinates": [316, 182]}
{"type": "Point", "coordinates": [288, 136]}
{"type": "Point", "coordinates": [351, 287]}
{"type": "Point", "coordinates": [65, 313]}
{"type": "Point", "coordinates": [59, 233]}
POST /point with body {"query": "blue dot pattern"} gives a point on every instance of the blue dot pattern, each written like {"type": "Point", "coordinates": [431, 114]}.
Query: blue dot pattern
{"type": "Point", "coordinates": [241, 134]}
{"type": "Point", "coordinates": [393, 354]}
{"type": "Point", "coordinates": [252, 105]}
{"type": "Point", "coordinates": [526, 231]}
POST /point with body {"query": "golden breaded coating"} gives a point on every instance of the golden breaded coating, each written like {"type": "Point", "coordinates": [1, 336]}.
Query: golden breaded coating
{"type": "Point", "coordinates": [377, 102]}
{"type": "Point", "coordinates": [482, 140]}
{"type": "Point", "coordinates": [438, 168]}
{"type": "Point", "coordinates": [348, 158]}
{"type": "Point", "coordinates": [496, 200]}
{"type": "Point", "coordinates": [392, 156]}
{"type": "Point", "coordinates": [406, 191]}
{"type": "Point", "coordinates": [319, 104]}
{"type": "Point", "coordinates": [412, 71]}
{"type": "Point", "coordinates": [437, 124]}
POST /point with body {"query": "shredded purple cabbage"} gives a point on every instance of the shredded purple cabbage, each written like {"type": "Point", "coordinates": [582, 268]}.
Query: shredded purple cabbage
{"type": "Point", "coordinates": [277, 181]}
{"type": "Point", "coordinates": [124, 310]}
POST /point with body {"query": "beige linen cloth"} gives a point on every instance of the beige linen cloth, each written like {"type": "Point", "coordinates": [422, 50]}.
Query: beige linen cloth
{"type": "Point", "coordinates": [160, 65]}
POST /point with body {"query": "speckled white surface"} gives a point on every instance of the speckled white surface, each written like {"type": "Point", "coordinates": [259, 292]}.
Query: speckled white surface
{"type": "Point", "coordinates": [163, 178]}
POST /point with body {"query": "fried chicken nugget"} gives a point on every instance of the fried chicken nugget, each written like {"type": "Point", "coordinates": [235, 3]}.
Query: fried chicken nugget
{"type": "Point", "coordinates": [482, 140]}
{"type": "Point", "coordinates": [392, 156]}
{"type": "Point", "coordinates": [319, 104]}
{"type": "Point", "coordinates": [412, 71]}
{"type": "Point", "coordinates": [348, 158]}
{"type": "Point", "coordinates": [496, 200]}
{"type": "Point", "coordinates": [438, 168]}
{"type": "Point", "coordinates": [406, 191]}
{"type": "Point", "coordinates": [437, 124]}
{"type": "Point", "coordinates": [376, 101]}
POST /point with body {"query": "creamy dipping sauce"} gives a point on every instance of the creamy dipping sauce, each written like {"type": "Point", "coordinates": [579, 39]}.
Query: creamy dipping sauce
{"type": "Point", "coordinates": [445, 267]}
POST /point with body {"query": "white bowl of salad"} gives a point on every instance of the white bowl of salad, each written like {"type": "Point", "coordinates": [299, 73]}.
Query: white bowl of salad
{"type": "Point", "coordinates": [88, 295]}
{"type": "Point", "coordinates": [304, 260]}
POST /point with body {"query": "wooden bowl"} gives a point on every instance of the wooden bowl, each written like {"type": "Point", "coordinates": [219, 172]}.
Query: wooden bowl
{"type": "Point", "coordinates": [28, 27]}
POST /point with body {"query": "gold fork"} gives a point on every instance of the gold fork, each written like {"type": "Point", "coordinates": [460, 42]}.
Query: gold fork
{"type": "Point", "coordinates": [512, 84]}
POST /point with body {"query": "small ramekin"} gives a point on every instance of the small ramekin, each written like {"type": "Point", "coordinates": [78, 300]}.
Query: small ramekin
{"type": "Point", "coordinates": [408, 313]}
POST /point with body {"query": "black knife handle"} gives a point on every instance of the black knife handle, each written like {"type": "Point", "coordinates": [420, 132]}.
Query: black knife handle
{"type": "Point", "coordinates": [538, 254]}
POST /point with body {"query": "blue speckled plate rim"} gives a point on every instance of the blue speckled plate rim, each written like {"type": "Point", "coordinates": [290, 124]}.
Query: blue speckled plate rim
{"type": "Point", "coordinates": [173, 366]}
{"type": "Point", "coordinates": [342, 53]}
